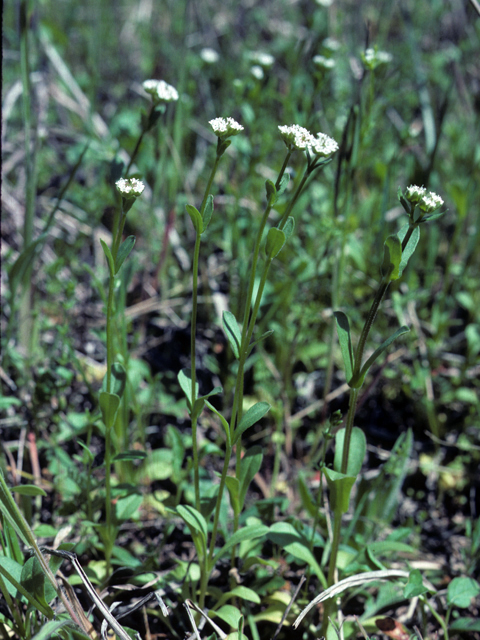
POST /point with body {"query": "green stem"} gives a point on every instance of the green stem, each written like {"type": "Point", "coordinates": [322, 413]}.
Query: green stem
{"type": "Point", "coordinates": [223, 479]}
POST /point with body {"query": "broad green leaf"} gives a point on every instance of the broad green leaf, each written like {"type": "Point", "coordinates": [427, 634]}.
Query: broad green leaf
{"type": "Point", "coordinates": [410, 248]}
{"type": "Point", "coordinates": [124, 251]}
{"type": "Point", "coordinates": [289, 227]}
{"type": "Point", "coordinates": [356, 454]}
{"type": "Point", "coordinates": [461, 592]}
{"type": "Point", "coordinates": [340, 486]}
{"type": "Point", "coordinates": [13, 569]}
{"type": "Point", "coordinates": [38, 604]}
{"type": "Point", "coordinates": [109, 257]}
{"type": "Point", "coordinates": [357, 383]}
{"type": "Point", "coordinates": [232, 331]}
{"type": "Point", "coordinates": [28, 490]}
{"type": "Point", "coordinates": [275, 241]}
{"type": "Point", "coordinates": [130, 455]}
{"type": "Point", "coordinates": [250, 532]}
{"type": "Point", "coordinates": [195, 217]}
{"type": "Point", "coordinates": [33, 580]}
{"type": "Point", "coordinates": [244, 593]}
{"type": "Point", "coordinates": [345, 340]}
{"type": "Point", "coordinates": [414, 586]}
{"type": "Point", "coordinates": [207, 214]}
{"type": "Point", "coordinates": [252, 416]}
{"type": "Point", "coordinates": [292, 541]}
{"type": "Point", "coordinates": [185, 380]}
{"type": "Point", "coordinates": [109, 403]}
{"type": "Point", "coordinates": [194, 519]}
{"type": "Point", "coordinates": [249, 466]}
{"type": "Point", "coordinates": [229, 614]}
{"type": "Point", "coordinates": [126, 507]}
{"type": "Point", "coordinates": [392, 257]}
{"type": "Point", "coordinates": [465, 624]}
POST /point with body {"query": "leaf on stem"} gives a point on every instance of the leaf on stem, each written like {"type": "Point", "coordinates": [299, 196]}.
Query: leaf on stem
{"type": "Point", "coordinates": [249, 532]}
{"type": "Point", "coordinates": [271, 192]}
{"type": "Point", "coordinates": [289, 227]}
{"type": "Point", "coordinates": [197, 525]}
{"type": "Point", "coordinates": [378, 352]}
{"type": "Point", "coordinates": [119, 379]}
{"type": "Point", "coordinates": [392, 258]}
{"type": "Point", "coordinates": [253, 415]}
{"type": "Point", "coordinates": [411, 245]}
{"type": "Point", "coordinates": [108, 255]}
{"type": "Point", "coordinates": [195, 217]}
{"type": "Point", "coordinates": [255, 342]}
{"type": "Point", "coordinates": [222, 420]}
{"type": "Point", "coordinates": [283, 184]}
{"type": "Point", "coordinates": [232, 331]}
{"type": "Point", "coordinates": [275, 240]}
{"type": "Point", "coordinates": [345, 340]}
{"type": "Point", "coordinates": [249, 466]}
{"type": "Point", "coordinates": [185, 381]}
{"type": "Point", "coordinates": [340, 486]}
{"type": "Point", "coordinates": [207, 213]}
{"type": "Point", "coordinates": [109, 403]}
{"type": "Point", "coordinates": [125, 248]}
{"type": "Point", "coordinates": [356, 453]}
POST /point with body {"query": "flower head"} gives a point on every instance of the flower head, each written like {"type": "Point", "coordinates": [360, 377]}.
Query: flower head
{"type": "Point", "coordinates": [414, 194]}
{"type": "Point", "coordinates": [210, 56]}
{"type": "Point", "coordinates": [257, 72]}
{"type": "Point", "coordinates": [372, 58]}
{"type": "Point", "coordinates": [261, 58]}
{"type": "Point", "coordinates": [225, 127]}
{"type": "Point", "coordinates": [130, 187]}
{"type": "Point", "coordinates": [430, 202]}
{"type": "Point", "coordinates": [160, 91]}
{"type": "Point", "coordinates": [295, 136]}
{"type": "Point", "coordinates": [321, 62]}
{"type": "Point", "coordinates": [323, 146]}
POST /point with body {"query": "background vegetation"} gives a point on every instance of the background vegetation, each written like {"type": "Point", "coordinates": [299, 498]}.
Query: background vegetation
{"type": "Point", "coordinates": [72, 75]}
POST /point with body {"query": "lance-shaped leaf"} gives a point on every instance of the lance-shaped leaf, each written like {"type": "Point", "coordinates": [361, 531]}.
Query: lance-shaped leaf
{"type": "Point", "coordinates": [411, 245]}
{"type": "Point", "coordinates": [197, 525]}
{"type": "Point", "coordinates": [225, 424]}
{"type": "Point", "coordinates": [250, 532]}
{"type": "Point", "coordinates": [392, 257]}
{"type": "Point", "coordinates": [283, 183]}
{"type": "Point", "coordinates": [340, 486]}
{"type": "Point", "coordinates": [289, 227]}
{"type": "Point", "coordinates": [356, 454]}
{"type": "Point", "coordinates": [271, 191]}
{"type": "Point", "coordinates": [233, 486]}
{"type": "Point", "coordinates": [125, 248]}
{"type": "Point", "coordinates": [253, 415]}
{"type": "Point", "coordinates": [109, 403]}
{"type": "Point", "coordinates": [345, 340]}
{"type": "Point", "coordinates": [358, 381]}
{"type": "Point", "coordinates": [184, 378]}
{"type": "Point", "coordinates": [249, 466]}
{"type": "Point", "coordinates": [275, 241]}
{"type": "Point", "coordinates": [207, 213]}
{"type": "Point", "coordinates": [232, 331]}
{"type": "Point", "coordinates": [108, 255]}
{"type": "Point", "coordinates": [195, 217]}
{"type": "Point", "coordinates": [200, 402]}
{"type": "Point", "coordinates": [255, 342]}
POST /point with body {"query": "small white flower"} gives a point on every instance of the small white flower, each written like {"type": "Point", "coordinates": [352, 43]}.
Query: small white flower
{"type": "Point", "coordinates": [296, 136]}
{"type": "Point", "coordinates": [323, 146]}
{"type": "Point", "coordinates": [323, 63]}
{"type": "Point", "coordinates": [331, 44]}
{"type": "Point", "coordinates": [413, 193]}
{"type": "Point", "coordinates": [265, 60]}
{"type": "Point", "coordinates": [325, 3]}
{"type": "Point", "coordinates": [160, 91]}
{"type": "Point", "coordinates": [224, 127]}
{"type": "Point", "coordinates": [210, 56]}
{"type": "Point", "coordinates": [257, 72]}
{"type": "Point", "coordinates": [430, 202]}
{"type": "Point", "coordinates": [130, 187]}
{"type": "Point", "coordinates": [372, 58]}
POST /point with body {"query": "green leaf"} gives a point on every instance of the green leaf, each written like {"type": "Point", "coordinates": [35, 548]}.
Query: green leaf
{"type": "Point", "coordinates": [357, 383]}
{"type": "Point", "coordinates": [392, 257]}
{"type": "Point", "coordinates": [345, 340]}
{"type": "Point", "coordinates": [88, 453]}
{"type": "Point", "coordinates": [232, 331]}
{"type": "Point", "coordinates": [109, 257]}
{"type": "Point", "coordinates": [28, 490]}
{"type": "Point", "coordinates": [262, 337]}
{"type": "Point", "coordinates": [229, 614]}
{"type": "Point", "coordinates": [289, 227]}
{"type": "Point", "coordinates": [250, 532]}
{"type": "Point", "coordinates": [275, 241]}
{"type": "Point", "coordinates": [283, 183]}
{"type": "Point", "coordinates": [195, 217]}
{"type": "Point", "coordinates": [125, 248]}
{"type": "Point", "coordinates": [411, 246]}
{"type": "Point", "coordinates": [356, 455]}
{"type": "Point", "coordinates": [118, 380]}
{"type": "Point", "coordinates": [207, 214]}
{"type": "Point", "coordinates": [200, 402]}
{"type": "Point", "coordinates": [33, 580]}
{"type": "Point", "coordinates": [225, 424]}
{"type": "Point", "coordinates": [249, 466]}
{"type": "Point", "coordinates": [194, 520]}
{"type": "Point", "coordinates": [271, 191]}
{"type": "Point", "coordinates": [292, 541]}
{"type": "Point", "coordinates": [233, 486]}
{"type": "Point", "coordinates": [109, 403]}
{"type": "Point", "coordinates": [14, 570]}
{"type": "Point", "coordinates": [461, 592]}
{"type": "Point", "coordinates": [130, 455]}
{"type": "Point", "coordinates": [414, 586]}
{"type": "Point", "coordinates": [185, 380]}
{"type": "Point", "coordinates": [340, 486]}
{"type": "Point", "coordinates": [465, 624]}
{"type": "Point", "coordinates": [252, 416]}
{"type": "Point", "coordinates": [21, 264]}
{"type": "Point", "coordinates": [126, 507]}
{"type": "Point", "coordinates": [49, 630]}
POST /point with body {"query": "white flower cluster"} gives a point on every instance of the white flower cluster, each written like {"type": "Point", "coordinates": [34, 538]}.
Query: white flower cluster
{"type": "Point", "coordinates": [160, 91]}
{"type": "Point", "coordinates": [261, 58]}
{"type": "Point", "coordinates": [299, 138]}
{"type": "Point", "coordinates": [210, 56]}
{"type": "Point", "coordinates": [426, 200]}
{"type": "Point", "coordinates": [225, 127]}
{"type": "Point", "coordinates": [373, 58]}
{"type": "Point", "coordinates": [323, 63]}
{"type": "Point", "coordinates": [130, 187]}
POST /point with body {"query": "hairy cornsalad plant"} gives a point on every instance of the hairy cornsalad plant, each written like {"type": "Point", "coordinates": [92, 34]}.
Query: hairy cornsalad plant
{"type": "Point", "coordinates": [240, 394]}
